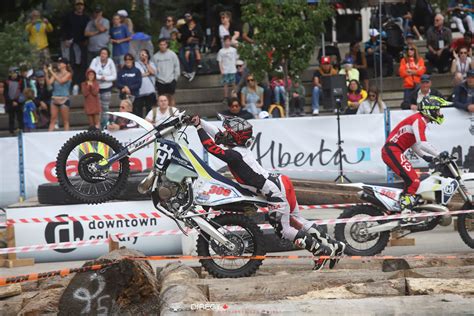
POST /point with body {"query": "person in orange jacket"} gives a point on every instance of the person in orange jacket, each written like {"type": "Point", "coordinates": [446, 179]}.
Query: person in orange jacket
{"type": "Point", "coordinates": [412, 67]}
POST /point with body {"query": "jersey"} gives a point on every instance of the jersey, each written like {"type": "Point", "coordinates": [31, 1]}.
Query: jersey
{"type": "Point", "coordinates": [408, 132]}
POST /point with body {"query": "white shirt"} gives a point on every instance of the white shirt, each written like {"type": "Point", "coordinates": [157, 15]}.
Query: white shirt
{"type": "Point", "coordinates": [148, 82]}
{"type": "Point", "coordinates": [227, 57]}
{"type": "Point", "coordinates": [160, 117]}
{"type": "Point", "coordinates": [366, 106]}
{"type": "Point", "coordinates": [108, 71]}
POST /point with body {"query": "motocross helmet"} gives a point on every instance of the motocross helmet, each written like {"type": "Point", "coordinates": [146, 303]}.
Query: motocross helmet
{"type": "Point", "coordinates": [237, 132]}
{"type": "Point", "coordinates": [430, 107]}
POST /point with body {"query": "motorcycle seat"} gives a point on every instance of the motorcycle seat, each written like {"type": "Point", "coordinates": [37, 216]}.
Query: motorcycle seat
{"type": "Point", "coordinates": [216, 175]}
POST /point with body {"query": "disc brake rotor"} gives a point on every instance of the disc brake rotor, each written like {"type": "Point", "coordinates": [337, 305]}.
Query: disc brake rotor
{"type": "Point", "coordinates": [359, 232]}
{"type": "Point", "coordinates": [224, 251]}
{"type": "Point", "coordinates": [89, 167]}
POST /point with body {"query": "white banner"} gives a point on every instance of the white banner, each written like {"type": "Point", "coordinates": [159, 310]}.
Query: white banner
{"type": "Point", "coordinates": [49, 233]}
{"type": "Point", "coordinates": [9, 171]}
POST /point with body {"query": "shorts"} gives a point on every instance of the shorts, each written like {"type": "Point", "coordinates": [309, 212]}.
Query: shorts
{"type": "Point", "coordinates": [228, 79]}
{"type": "Point", "coordinates": [191, 47]}
{"type": "Point", "coordinates": [60, 101]}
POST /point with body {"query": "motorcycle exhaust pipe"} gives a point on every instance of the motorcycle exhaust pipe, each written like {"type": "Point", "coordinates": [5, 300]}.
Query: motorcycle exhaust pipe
{"type": "Point", "coordinates": [383, 227]}
{"type": "Point", "coordinates": [145, 185]}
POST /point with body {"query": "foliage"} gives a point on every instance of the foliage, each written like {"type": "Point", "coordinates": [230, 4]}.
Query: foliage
{"type": "Point", "coordinates": [289, 28]}
{"type": "Point", "coordinates": [15, 48]}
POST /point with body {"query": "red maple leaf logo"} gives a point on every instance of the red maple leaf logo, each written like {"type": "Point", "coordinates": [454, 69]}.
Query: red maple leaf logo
{"type": "Point", "coordinates": [225, 306]}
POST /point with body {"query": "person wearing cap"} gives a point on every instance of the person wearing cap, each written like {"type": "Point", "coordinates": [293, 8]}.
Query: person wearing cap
{"type": "Point", "coordinates": [235, 109]}
{"type": "Point", "coordinates": [461, 63]}
{"type": "Point", "coordinates": [13, 104]}
{"type": "Point", "coordinates": [463, 95]}
{"type": "Point", "coordinates": [459, 10]}
{"type": "Point", "coordinates": [423, 90]}
{"type": "Point", "coordinates": [97, 30]}
{"type": "Point", "coordinates": [125, 20]}
{"type": "Point", "coordinates": [438, 41]}
{"type": "Point", "coordinates": [348, 70]}
{"type": "Point", "coordinates": [325, 69]}
{"type": "Point", "coordinates": [120, 38]}
{"type": "Point", "coordinates": [43, 99]}
{"type": "Point", "coordinates": [412, 67]}
{"type": "Point", "coordinates": [37, 29]}
{"type": "Point", "coordinates": [168, 28]}
{"type": "Point", "coordinates": [74, 42]}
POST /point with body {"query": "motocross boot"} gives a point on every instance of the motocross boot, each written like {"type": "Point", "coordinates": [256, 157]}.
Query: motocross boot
{"type": "Point", "coordinates": [304, 240]}
{"type": "Point", "coordinates": [326, 240]}
{"type": "Point", "coordinates": [407, 202]}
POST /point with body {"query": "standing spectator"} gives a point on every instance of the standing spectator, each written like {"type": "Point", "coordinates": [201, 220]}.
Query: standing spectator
{"type": "Point", "coordinates": [355, 96]}
{"type": "Point", "coordinates": [438, 40]}
{"type": "Point", "coordinates": [12, 93]}
{"type": "Point", "coordinates": [248, 31]}
{"type": "Point", "coordinates": [26, 77]}
{"type": "Point", "coordinates": [126, 20]}
{"type": "Point", "coordinates": [37, 29]}
{"type": "Point", "coordinates": [424, 90]}
{"type": "Point", "coordinates": [464, 94]}
{"type": "Point", "coordinates": [191, 37]}
{"type": "Point", "coordinates": [373, 54]}
{"type": "Point", "coordinates": [146, 96]}
{"type": "Point", "coordinates": [60, 80]}
{"type": "Point", "coordinates": [90, 90]}
{"type": "Point", "coordinates": [373, 104]}
{"type": "Point", "coordinates": [359, 63]}
{"type": "Point", "coordinates": [372, 47]}
{"type": "Point", "coordinates": [412, 67]}
{"type": "Point", "coordinates": [167, 64]}
{"type": "Point", "coordinates": [423, 14]}
{"type": "Point", "coordinates": [251, 97]}
{"type": "Point", "coordinates": [459, 10]}
{"type": "Point", "coordinates": [324, 70]}
{"type": "Point", "coordinates": [29, 111]}
{"type": "Point", "coordinates": [465, 41]}
{"type": "Point", "coordinates": [461, 63]}
{"type": "Point", "coordinates": [121, 123]}
{"type": "Point", "coordinates": [161, 110]}
{"type": "Point", "coordinates": [168, 28]}
{"type": "Point", "coordinates": [129, 79]}
{"type": "Point", "coordinates": [74, 42]}
{"type": "Point", "coordinates": [43, 99]}
{"type": "Point", "coordinates": [227, 58]}
{"type": "Point", "coordinates": [106, 72]}
{"type": "Point", "coordinates": [2, 97]}
{"type": "Point", "coordinates": [227, 28]}
{"type": "Point", "coordinates": [97, 30]}
{"type": "Point", "coordinates": [277, 85]}
{"type": "Point", "coordinates": [235, 109]}
{"type": "Point", "coordinates": [348, 70]}
{"type": "Point", "coordinates": [120, 38]}
{"type": "Point", "coordinates": [297, 98]}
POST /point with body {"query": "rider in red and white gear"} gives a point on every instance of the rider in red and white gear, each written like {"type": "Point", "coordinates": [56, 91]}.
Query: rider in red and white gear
{"type": "Point", "coordinates": [277, 189]}
{"type": "Point", "coordinates": [410, 133]}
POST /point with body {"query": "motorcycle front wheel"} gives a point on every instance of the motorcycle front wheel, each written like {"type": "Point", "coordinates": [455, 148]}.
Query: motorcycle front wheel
{"type": "Point", "coordinates": [246, 236]}
{"type": "Point", "coordinates": [80, 171]}
{"type": "Point", "coordinates": [466, 226]}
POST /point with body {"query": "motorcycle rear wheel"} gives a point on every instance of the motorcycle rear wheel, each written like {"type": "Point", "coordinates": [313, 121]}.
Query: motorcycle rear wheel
{"type": "Point", "coordinates": [353, 237]}
{"type": "Point", "coordinates": [90, 184]}
{"type": "Point", "coordinates": [465, 226]}
{"type": "Point", "coordinates": [248, 240]}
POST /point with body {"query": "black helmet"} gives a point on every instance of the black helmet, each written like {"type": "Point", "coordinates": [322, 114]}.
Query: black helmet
{"type": "Point", "coordinates": [239, 131]}
{"type": "Point", "coordinates": [430, 107]}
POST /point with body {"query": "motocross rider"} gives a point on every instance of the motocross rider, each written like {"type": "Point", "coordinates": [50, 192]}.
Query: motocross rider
{"type": "Point", "coordinates": [277, 189]}
{"type": "Point", "coordinates": [410, 133]}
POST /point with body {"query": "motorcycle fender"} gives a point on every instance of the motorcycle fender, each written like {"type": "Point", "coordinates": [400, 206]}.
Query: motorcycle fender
{"type": "Point", "coordinates": [467, 180]}
{"type": "Point", "coordinates": [130, 116]}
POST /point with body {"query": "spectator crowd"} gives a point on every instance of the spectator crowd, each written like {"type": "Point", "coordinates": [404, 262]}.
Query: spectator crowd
{"type": "Point", "coordinates": [99, 57]}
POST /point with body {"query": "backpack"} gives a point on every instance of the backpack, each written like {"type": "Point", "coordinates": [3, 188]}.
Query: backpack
{"type": "Point", "coordinates": [276, 110]}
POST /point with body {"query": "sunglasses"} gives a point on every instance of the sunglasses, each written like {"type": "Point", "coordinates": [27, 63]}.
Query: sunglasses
{"type": "Point", "coordinates": [123, 108]}
{"type": "Point", "coordinates": [411, 49]}
{"type": "Point", "coordinates": [169, 20]}
{"type": "Point", "coordinates": [250, 80]}
{"type": "Point", "coordinates": [372, 95]}
{"type": "Point", "coordinates": [463, 53]}
{"type": "Point", "coordinates": [129, 59]}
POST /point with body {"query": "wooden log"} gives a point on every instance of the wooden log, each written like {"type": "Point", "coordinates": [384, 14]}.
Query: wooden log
{"type": "Point", "coordinates": [11, 260]}
{"type": "Point", "coordinates": [395, 240]}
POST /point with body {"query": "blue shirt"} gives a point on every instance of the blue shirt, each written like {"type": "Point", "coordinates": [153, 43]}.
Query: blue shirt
{"type": "Point", "coordinates": [28, 114]}
{"type": "Point", "coordinates": [120, 32]}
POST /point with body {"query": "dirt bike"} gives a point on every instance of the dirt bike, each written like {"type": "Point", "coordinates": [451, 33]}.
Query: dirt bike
{"type": "Point", "coordinates": [435, 192]}
{"type": "Point", "coordinates": [179, 182]}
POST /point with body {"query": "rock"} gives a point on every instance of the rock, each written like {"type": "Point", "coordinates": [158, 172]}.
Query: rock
{"type": "Point", "coordinates": [430, 286]}
{"type": "Point", "coordinates": [390, 265]}
{"type": "Point", "coordinates": [55, 282]}
{"type": "Point", "coordinates": [45, 302]}
{"type": "Point", "coordinates": [128, 287]}
{"type": "Point", "coordinates": [10, 290]}
{"type": "Point", "coordinates": [177, 292]}
{"type": "Point", "coordinates": [380, 288]}
{"type": "Point", "coordinates": [13, 305]}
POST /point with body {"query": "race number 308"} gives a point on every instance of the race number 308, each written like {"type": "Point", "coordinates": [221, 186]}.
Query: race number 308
{"type": "Point", "coordinates": [163, 154]}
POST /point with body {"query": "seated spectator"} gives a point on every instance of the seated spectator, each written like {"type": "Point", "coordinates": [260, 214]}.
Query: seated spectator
{"type": "Point", "coordinates": [228, 28]}
{"type": "Point", "coordinates": [126, 20]}
{"type": "Point", "coordinates": [297, 98]}
{"type": "Point", "coordinates": [348, 70]}
{"type": "Point", "coordinates": [373, 56]}
{"type": "Point", "coordinates": [120, 38]}
{"type": "Point", "coordinates": [420, 92]}
{"type": "Point", "coordinates": [121, 123]}
{"type": "Point", "coordinates": [36, 28]}
{"type": "Point", "coordinates": [423, 15]}
{"type": "Point", "coordinates": [168, 28]}
{"type": "Point", "coordinates": [240, 75]}
{"type": "Point", "coordinates": [355, 96]}
{"type": "Point", "coordinates": [235, 109]}
{"type": "Point", "coordinates": [251, 96]}
{"type": "Point", "coordinates": [90, 90]}
{"type": "Point", "coordinates": [412, 67]}
{"type": "Point", "coordinates": [129, 79]}
{"type": "Point", "coordinates": [43, 99]}
{"type": "Point", "coordinates": [161, 110]}
{"type": "Point", "coordinates": [277, 85]}
{"type": "Point", "coordinates": [359, 63]}
{"type": "Point", "coordinates": [29, 111]}
{"type": "Point", "coordinates": [465, 41]}
{"type": "Point", "coordinates": [464, 94]}
{"type": "Point", "coordinates": [2, 97]}
{"type": "Point", "coordinates": [402, 13]}
{"type": "Point", "coordinates": [461, 63]}
{"type": "Point", "coordinates": [459, 10]}
{"type": "Point", "coordinates": [438, 40]}
{"type": "Point", "coordinates": [372, 46]}
{"type": "Point", "coordinates": [191, 37]}
{"type": "Point", "coordinates": [332, 51]}
{"type": "Point", "coordinates": [373, 104]}
{"type": "Point", "coordinates": [324, 70]}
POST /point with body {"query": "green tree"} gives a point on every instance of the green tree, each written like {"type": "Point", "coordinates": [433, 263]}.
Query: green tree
{"type": "Point", "coordinates": [16, 49]}
{"type": "Point", "coordinates": [288, 31]}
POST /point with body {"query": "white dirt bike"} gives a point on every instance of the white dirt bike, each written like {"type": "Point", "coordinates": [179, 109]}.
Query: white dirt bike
{"type": "Point", "coordinates": [179, 182]}
{"type": "Point", "coordinates": [435, 191]}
